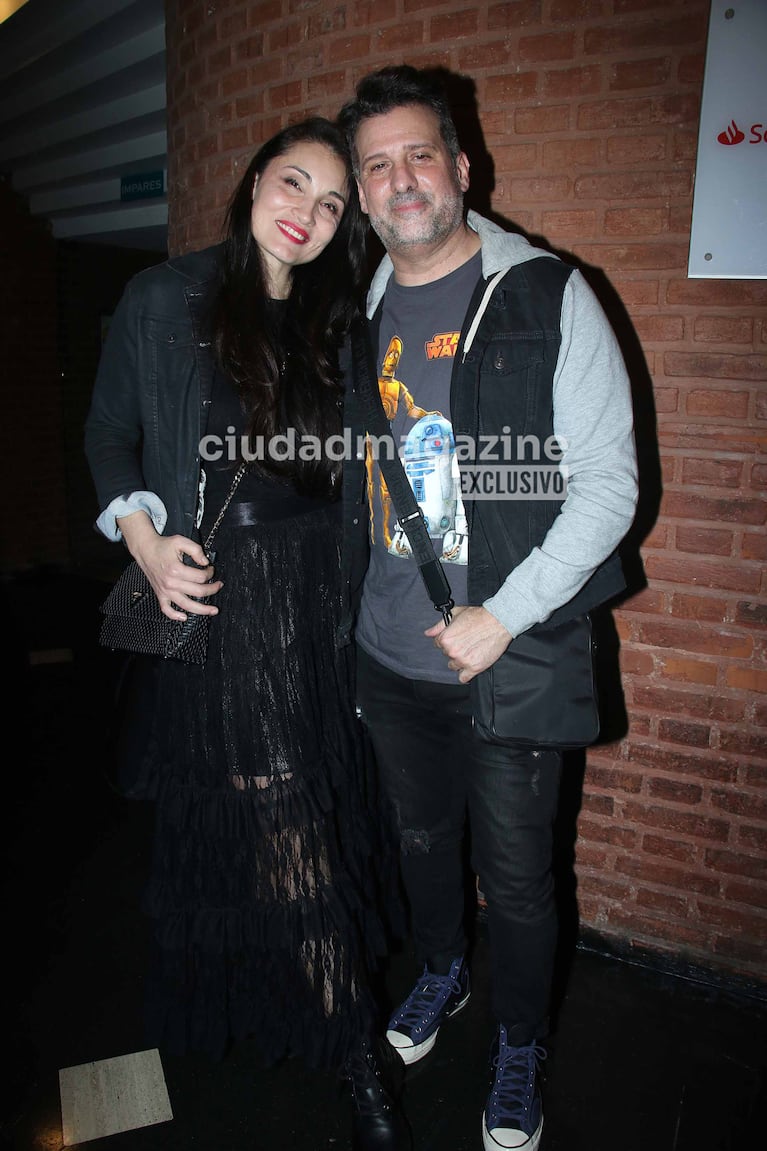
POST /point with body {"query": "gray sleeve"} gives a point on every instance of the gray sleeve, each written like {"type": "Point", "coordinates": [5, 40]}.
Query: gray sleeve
{"type": "Point", "coordinates": [593, 418]}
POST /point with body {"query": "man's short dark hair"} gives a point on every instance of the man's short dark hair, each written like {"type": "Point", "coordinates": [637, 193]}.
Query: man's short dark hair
{"type": "Point", "coordinates": [398, 86]}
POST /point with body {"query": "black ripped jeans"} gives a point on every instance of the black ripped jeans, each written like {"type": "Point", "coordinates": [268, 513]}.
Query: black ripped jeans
{"type": "Point", "coordinates": [436, 771]}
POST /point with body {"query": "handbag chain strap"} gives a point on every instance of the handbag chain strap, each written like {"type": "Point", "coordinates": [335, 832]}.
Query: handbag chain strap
{"type": "Point", "coordinates": [235, 484]}
{"type": "Point", "coordinates": [409, 513]}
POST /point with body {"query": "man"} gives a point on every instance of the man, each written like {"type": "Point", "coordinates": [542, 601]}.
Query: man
{"type": "Point", "coordinates": [556, 375]}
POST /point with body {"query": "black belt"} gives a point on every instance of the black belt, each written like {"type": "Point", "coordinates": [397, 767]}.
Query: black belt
{"type": "Point", "coordinates": [250, 512]}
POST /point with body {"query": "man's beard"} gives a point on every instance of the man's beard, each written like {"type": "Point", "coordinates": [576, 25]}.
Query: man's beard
{"type": "Point", "coordinates": [438, 225]}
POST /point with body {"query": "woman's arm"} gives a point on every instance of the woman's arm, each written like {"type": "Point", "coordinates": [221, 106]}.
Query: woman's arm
{"type": "Point", "coordinates": [113, 425]}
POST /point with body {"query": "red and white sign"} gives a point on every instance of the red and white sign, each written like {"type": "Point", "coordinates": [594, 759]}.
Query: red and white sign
{"type": "Point", "coordinates": [728, 239]}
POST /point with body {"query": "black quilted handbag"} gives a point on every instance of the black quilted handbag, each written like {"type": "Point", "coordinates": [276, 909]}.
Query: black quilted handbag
{"type": "Point", "coordinates": [133, 620]}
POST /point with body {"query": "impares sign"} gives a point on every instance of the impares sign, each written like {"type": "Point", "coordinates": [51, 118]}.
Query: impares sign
{"type": "Point", "coordinates": [728, 238]}
{"type": "Point", "coordinates": [142, 185]}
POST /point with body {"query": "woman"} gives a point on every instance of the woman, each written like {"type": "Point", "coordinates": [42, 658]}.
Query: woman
{"type": "Point", "coordinates": [262, 888]}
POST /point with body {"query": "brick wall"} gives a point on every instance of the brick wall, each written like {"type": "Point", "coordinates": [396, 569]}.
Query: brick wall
{"type": "Point", "coordinates": [588, 118]}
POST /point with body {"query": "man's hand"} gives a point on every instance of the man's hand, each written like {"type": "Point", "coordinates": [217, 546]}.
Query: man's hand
{"type": "Point", "coordinates": [176, 584]}
{"type": "Point", "coordinates": [472, 642]}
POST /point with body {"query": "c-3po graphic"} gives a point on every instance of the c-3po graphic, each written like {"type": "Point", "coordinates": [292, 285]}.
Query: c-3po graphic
{"type": "Point", "coordinates": [430, 464]}
{"type": "Point", "coordinates": [392, 391]}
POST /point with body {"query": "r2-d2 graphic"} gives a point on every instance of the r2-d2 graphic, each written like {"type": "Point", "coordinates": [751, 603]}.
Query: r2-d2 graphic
{"type": "Point", "coordinates": [431, 467]}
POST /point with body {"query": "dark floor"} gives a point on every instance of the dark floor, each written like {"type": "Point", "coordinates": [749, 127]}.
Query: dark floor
{"type": "Point", "coordinates": [640, 1058]}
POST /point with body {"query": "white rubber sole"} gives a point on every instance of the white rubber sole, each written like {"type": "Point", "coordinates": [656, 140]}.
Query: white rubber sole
{"type": "Point", "coordinates": [414, 1052]}
{"type": "Point", "coordinates": [491, 1144]}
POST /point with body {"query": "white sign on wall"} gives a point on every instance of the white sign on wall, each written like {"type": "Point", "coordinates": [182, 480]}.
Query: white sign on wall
{"type": "Point", "coordinates": [729, 218]}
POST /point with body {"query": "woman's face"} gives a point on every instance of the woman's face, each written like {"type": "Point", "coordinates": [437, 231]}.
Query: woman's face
{"type": "Point", "coordinates": [298, 201]}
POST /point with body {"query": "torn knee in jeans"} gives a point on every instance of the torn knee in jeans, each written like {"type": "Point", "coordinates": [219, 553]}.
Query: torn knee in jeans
{"type": "Point", "coordinates": [414, 841]}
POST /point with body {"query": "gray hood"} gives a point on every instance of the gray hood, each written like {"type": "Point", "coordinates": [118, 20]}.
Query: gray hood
{"type": "Point", "coordinates": [501, 250]}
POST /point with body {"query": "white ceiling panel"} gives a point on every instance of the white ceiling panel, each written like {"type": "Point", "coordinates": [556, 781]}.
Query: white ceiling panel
{"type": "Point", "coordinates": [82, 105]}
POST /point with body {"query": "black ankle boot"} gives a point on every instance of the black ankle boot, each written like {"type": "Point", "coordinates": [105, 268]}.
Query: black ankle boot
{"type": "Point", "coordinates": [375, 1073]}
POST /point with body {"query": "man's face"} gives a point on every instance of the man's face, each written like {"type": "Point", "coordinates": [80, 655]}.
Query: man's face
{"type": "Point", "coordinates": [409, 185]}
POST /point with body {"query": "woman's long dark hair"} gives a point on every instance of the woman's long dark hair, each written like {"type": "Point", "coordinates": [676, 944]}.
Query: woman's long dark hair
{"type": "Point", "coordinates": [288, 375]}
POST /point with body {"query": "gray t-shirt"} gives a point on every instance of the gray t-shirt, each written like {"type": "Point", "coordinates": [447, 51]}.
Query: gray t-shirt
{"type": "Point", "coordinates": [420, 328]}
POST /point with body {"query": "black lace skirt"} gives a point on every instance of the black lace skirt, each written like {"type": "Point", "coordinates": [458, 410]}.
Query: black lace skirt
{"type": "Point", "coordinates": [272, 859]}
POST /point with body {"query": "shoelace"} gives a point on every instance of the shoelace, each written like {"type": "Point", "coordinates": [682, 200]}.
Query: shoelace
{"type": "Point", "coordinates": [514, 1088]}
{"type": "Point", "coordinates": [427, 995]}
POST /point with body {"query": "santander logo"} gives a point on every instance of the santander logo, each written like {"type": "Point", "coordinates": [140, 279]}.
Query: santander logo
{"type": "Point", "coordinates": [733, 134]}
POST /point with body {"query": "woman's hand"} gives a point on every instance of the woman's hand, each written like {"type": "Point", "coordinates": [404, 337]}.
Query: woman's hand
{"type": "Point", "coordinates": [177, 585]}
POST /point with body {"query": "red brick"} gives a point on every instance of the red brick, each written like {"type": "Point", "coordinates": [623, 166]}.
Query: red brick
{"type": "Point", "coordinates": [735, 863]}
{"type": "Point", "coordinates": [646, 928]}
{"type": "Point", "coordinates": [636, 149]}
{"type": "Point", "coordinates": [718, 293]}
{"type": "Point", "coordinates": [751, 955]}
{"type": "Point", "coordinates": [636, 222]}
{"type": "Point", "coordinates": [514, 157]}
{"type": "Point", "coordinates": [699, 607]}
{"type": "Point", "coordinates": [659, 329]}
{"type": "Point", "coordinates": [632, 257]}
{"type": "Point", "coordinates": [608, 888]}
{"type": "Point", "coordinates": [574, 223]}
{"type": "Point", "coordinates": [748, 679]}
{"type": "Point", "coordinates": [702, 574]}
{"type": "Point", "coordinates": [285, 95]}
{"type": "Point", "coordinates": [348, 48]}
{"type": "Point", "coordinates": [611, 833]}
{"type": "Point", "coordinates": [597, 804]}
{"type": "Point", "coordinates": [696, 704]}
{"type": "Point", "coordinates": [635, 293]}
{"type": "Point", "coordinates": [536, 121]}
{"type": "Point", "coordinates": [701, 766]}
{"type": "Point", "coordinates": [734, 918]}
{"type": "Point", "coordinates": [670, 819]}
{"type": "Point", "coordinates": [589, 856]}
{"type": "Point", "coordinates": [454, 25]}
{"type": "Point", "coordinates": [540, 188]}
{"type": "Point", "coordinates": [518, 86]}
{"type": "Point", "coordinates": [758, 477]}
{"type": "Point", "coordinates": [402, 36]}
{"type": "Point", "coordinates": [648, 600]}
{"type": "Point", "coordinates": [491, 55]}
{"type": "Point", "coordinates": [571, 82]}
{"type": "Point", "coordinates": [513, 14]}
{"type": "Point", "coordinates": [712, 437]}
{"type": "Point", "coordinates": [724, 329]}
{"type": "Point", "coordinates": [740, 803]}
{"type": "Point", "coordinates": [639, 74]}
{"type": "Point", "coordinates": [326, 84]}
{"type": "Point", "coordinates": [754, 838]}
{"type": "Point", "coordinates": [324, 21]}
{"type": "Point", "coordinates": [692, 637]}
{"type": "Point", "coordinates": [695, 506]}
{"type": "Point", "coordinates": [689, 734]}
{"type": "Point", "coordinates": [666, 400]}
{"type": "Point", "coordinates": [623, 37]}
{"type": "Point", "coordinates": [660, 901]}
{"type": "Point", "coordinates": [743, 743]}
{"type": "Point", "coordinates": [612, 779]}
{"type": "Point", "coordinates": [715, 366]}
{"type": "Point", "coordinates": [418, 5]}
{"type": "Point", "coordinates": [689, 670]}
{"type": "Point", "coordinates": [669, 848]}
{"type": "Point", "coordinates": [750, 613]}
{"type": "Point", "coordinates": [717, 473]}
{"type": "Point", "coordinates": [547, 46]}
{"type": "Point", "coordinates": [669, 789]}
